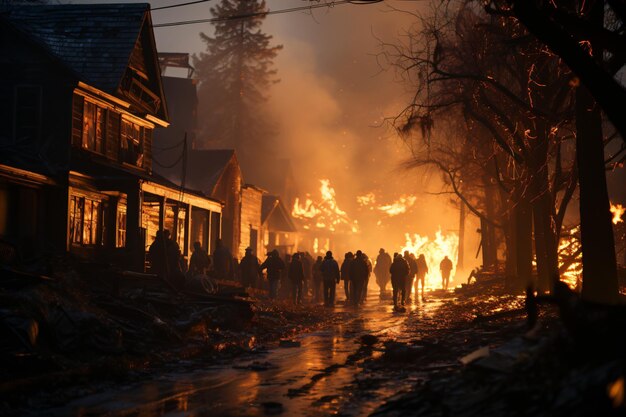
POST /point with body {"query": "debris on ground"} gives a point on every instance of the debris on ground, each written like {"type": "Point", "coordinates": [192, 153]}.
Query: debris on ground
{"type": "Point", "coordinates": [91, 320]}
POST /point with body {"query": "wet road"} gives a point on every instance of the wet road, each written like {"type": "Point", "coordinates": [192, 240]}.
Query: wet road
{"type": "Point", "coordinates": [313, 379]}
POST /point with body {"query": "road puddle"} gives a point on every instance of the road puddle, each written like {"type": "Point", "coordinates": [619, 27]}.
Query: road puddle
{"type": "Point", "coordinates": [316, 378]}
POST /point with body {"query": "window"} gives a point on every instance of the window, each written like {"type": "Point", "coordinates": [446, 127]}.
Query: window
{"type": "Point", "coordinates": [120, 240]}
{"type": "Point", "coordinates": [85, 221]}
{"type": "Point", "coordinates": [131, 143]}
{"type": "Point", "coordinates": [27, 112]}
{"type": "Point", "coordinates": [94, 122]}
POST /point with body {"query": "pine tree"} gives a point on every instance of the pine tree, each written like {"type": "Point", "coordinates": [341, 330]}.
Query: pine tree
{"type": "Point", "coordinates": [235, 74]}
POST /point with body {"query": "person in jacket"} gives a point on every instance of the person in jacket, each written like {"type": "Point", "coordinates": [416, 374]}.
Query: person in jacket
{"type": "Point", "coordinates": [410, 259]}
{"type": "Point", "coordinates": [296, 278]}
{"type": "Point", "coordinates": [249, 269]}
{"type": "Point", "coordinates": [399, 272]}
{"type": "Point", "coordinates": [330, 276]}
{"type": "Point", "coordinates": [318, 280]}
{"type": "Point", "coordinates": [381, 270]}
{"type": "Point", "coordinates": [345, 274]}
{"type": "Point", "coordinates": [422, 270]}
{"type": "Point", "coordinates": [445, 267]}
{"type": "Point", "coordinates": [274, 266]}
{"type": "Point", "coordinates": [358, 276]}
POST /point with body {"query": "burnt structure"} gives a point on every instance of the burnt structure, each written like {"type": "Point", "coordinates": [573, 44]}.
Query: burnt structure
{"type": "Point", "coordinates": [80, 97]}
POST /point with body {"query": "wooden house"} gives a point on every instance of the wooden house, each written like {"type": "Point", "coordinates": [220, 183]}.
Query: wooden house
{"type": "Point", "coordinates": [216, 173]}
{"type": "Point", "coordinates": [279, 230]}
{"type": "Point", "coordinates": [251, 221]}
{"type": "Point", "coordinates": [80, 97]}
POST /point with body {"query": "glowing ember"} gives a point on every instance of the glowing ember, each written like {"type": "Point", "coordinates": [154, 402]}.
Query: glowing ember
{"type": "Point", "coordinates": [434, 251]}
{"type": "Point", "coordinates": [325, 213]}
{"type": "Point", "coordinates": [618, 211]}
{"type": "Point", "coordinates": [400, 206]}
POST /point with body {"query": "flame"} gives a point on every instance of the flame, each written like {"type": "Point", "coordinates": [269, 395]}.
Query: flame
{"type": "Point", "coordinates": [434, 251]}
{"type": "Point", "coordinates": [366, 199]}
{"type": "Point", "coordinates": [399, 206]}
{"type": "Point", "coordinates": [570, 246]}
{"type": "Point", "coordinates": [617, 210]}
{"type": "Point", "coordinates": [325, 213]}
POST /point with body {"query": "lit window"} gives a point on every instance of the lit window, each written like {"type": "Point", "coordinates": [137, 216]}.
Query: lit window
{"type": "Point", "coordinates": [94, 119]}
{"type": "Point", "coordinates": [120, 240]}
{"type": "Point", "coordinates": [85, 221]}
{"type": "Point", "coordinates": [131, 143]}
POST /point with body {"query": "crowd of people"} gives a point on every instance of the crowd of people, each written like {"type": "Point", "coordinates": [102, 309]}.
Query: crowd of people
{"type": "Point", "coordinates": [299, 277]}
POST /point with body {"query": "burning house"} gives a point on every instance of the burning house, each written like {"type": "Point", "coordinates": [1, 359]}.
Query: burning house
{"type": "Point", "coordinates": [80, 97]}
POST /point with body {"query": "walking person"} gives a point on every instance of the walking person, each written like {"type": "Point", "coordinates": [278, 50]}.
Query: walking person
{"type": "Point", "coordinates": [358, 277]}
{"type": "Point", "coordinates": [296, 278]}
{"type": "Point", "coordinates": [274, 266]}
{"type": "Point", "coordinates": [422, 270]}
{"type": "Point", "coordinates": [317, 280]}
{"type": "Point", "coordinates": [381, 270]}
{"type": "Point", "coordinates": [399, 272]}
{"type": "Point", "coordinates": [200, 262]}
{"type": "Point", "coordinates": [410, 259]}
{"type": "Point", "coordinates": [445, 267]}
{"type": "Point", "coordinates": [345, 274]}
{"type": "Point", "coordinates": [330, 276]}
{"type": "Point", "coordinates": [249, 269]}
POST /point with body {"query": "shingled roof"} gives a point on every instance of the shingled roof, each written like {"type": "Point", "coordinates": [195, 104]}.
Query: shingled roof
{"type": "Point", "coordinates": [95, 41]}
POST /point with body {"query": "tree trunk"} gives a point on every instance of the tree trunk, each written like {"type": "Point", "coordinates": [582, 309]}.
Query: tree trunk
{"type": "Point", "coordinates": [596, 230]}
{"type": "Point", "coordinates": [524, 243]}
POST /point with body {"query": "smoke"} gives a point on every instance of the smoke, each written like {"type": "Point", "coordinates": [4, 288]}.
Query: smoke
{"type": "Point", "coordinates": [331, 104]}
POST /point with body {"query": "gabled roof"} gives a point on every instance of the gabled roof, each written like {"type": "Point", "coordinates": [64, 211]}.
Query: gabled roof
{"type": "Point", "coordinates": [274, 213]}
{"type": "Point", "coordinates": [206, 167]}
{"type": "Point", "coordinates": [94, 41]}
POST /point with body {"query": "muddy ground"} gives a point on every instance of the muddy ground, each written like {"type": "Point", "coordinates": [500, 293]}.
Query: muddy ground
{"type": "Point", "coordinates": [468, 352]}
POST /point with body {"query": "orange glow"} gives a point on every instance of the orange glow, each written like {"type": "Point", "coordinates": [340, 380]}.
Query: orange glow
{"type": "Point", "coordinates": [400, 206]}
{"type": "Point", "coordinates": [618, 211]}
{"type": "Point", "coordinates": [434, 251]}
{"type": "Point", "coordinates": [324, 213]}
{"type": "Point", "coordinates": [568, 246]}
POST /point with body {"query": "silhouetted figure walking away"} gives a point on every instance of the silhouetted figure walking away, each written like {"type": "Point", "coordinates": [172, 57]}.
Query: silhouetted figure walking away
{"type": "Point", "coordinates": [222, 261]}
{"type": "Point", "coordinates": [358, 276]}
{"type": "Point", "coordinates": [422, 270]}
{"type": "Point", "coordinates": [317, 280]}
{"type": "Point", "coordinates": [445, 267]}
{"type": "Point", "coordinates": [296, 278]}
{"type": "Point", "coordinates": [410, 259]}
{"type": "Point", "coordinates": [370, 268]}
{"type": "Point", "coordinates": [345, 274]}
{"type": "Point", "coordinates": [307, 264]}
{"type": "Point", "coordinates": [381, 270]}
{"type": "Point", "coordinates": [158, 256]}
{"type": "Point", "coordinates": [330, 275]}
{"type": "Point", "coordinates": [274, 265]}
{"type": "Point", "coordinates": [200, 262]}
{"type": "Point", "coordinates": [399, 272]}
{"type": "Point", "coordinates": [249, 269]}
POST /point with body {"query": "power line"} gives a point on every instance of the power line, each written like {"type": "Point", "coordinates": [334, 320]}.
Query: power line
{"type": "Point", "coordinates": [179, 5]}
{"type": "Point", "coordinates": [262, 14]}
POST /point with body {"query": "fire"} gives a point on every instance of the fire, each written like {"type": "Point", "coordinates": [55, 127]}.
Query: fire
{"type": "Point", "coordinates": [324, 213]}
{"type": "Point", "coordinates": [570, 253]}
{"type": "Point", "coordinates": [366, 199]}
{"type": "Point", "coordinates": [618, 211]}
{"type": "Point", "coordinates": [434, 251]}
{"type": "Point", "coordinates": [399, 206]}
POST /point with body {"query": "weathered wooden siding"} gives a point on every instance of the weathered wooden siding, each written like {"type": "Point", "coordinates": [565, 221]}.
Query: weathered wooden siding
{"type": "Point", "coordinates": [251, 203]}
